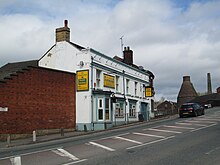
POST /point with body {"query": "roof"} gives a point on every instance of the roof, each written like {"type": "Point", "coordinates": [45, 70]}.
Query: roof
{"type": "Point", "coordinates": [77, 46]}
{"type": "Point", "coordinates": [10, 69]}
{"type": "Point", "coordinates": [205, 98]}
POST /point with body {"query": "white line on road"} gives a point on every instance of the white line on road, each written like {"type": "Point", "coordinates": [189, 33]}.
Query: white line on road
{"type": "Point", "coordinates": [144, 134]}
{"type": "Point", "coordinates": [129, 140]}
{"type": "Point", "coordinates": [65, 153]}
{"type": "Point", "coordinates": [79, 161]}
{"type": "Point", "coordinates": [16, 160]}
{"type": "Point", "coordinates": [102, 146]}
{"type": "Point", "coordinates": [209, 119]}
{"type": "Point", "coordinates": [150, 143]}
{"type": "Point", "coordinates": [110, 137]}
{"type": "Point", "coordinates": [161, 130]}
{"type": "Point", "coordinates": [172, 126]}
{"type": "Point", "coordinates": [183, 123]}
{"type": "Point", "coordinates": [196, 121]}
{"type": "Point", "coordinates": [204, 127]}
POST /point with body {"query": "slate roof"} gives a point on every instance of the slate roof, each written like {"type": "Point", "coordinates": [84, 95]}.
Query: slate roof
{"type": "Point", "coordinates": [13, 68]}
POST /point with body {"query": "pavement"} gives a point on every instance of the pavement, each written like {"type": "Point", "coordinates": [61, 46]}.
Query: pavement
{"type": "Point", "coordinates": [56, 136]}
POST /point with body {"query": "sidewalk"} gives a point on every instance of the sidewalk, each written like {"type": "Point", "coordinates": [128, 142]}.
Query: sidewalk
{"type": "Point", "coordinates": [51, 137]}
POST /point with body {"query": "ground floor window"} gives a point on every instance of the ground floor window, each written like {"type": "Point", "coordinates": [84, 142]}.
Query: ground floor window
{"type": "Point", "coordinates": [119, 109]}
{"type": "Point", "coordinates": [132, 110]}
{"type": "Point", "coordinates": [103, 109]}
{"type": "Point", "coordinates": [100, 109]}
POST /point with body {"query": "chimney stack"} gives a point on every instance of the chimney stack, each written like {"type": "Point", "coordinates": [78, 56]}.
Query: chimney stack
{"type": "Point", "coordinates": [128, 56]}
{"type": "Point", "coordinates": [209, 84]}
{"type": "Point", "coordinates": [63, 33]}
{"type": "Point", "coordinates": [187, 91]}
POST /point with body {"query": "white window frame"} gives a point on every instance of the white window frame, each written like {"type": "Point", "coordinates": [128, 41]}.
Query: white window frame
{"type": "Point", "coordinates": [98, 78]}
{"type": "Point", "coordinates": [119, 109]}
{"type": "Point", "coordinates": [107, 109]}
{"type": "Point", "coordinates": [132, 110]}
{"type": "Point", "coordinates": [100, 109]}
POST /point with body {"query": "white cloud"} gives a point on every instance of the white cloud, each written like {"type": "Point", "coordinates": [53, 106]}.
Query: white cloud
{"type": "Point", "coordinates": [167, 40]}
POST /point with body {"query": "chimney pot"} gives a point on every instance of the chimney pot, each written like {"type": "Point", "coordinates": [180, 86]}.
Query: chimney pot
{"type": "Point", "coordinates": [125, 48]}
{"type": "Point", "coordinates": [63, 33]}
{"type": "Point", "coordinates": [65, 23]}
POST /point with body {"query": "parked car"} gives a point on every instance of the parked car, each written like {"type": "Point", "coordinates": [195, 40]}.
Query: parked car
{"type": "Point", "coordinates": [191, 109]}
{"type": "Point", "coordinates": [207, 106]}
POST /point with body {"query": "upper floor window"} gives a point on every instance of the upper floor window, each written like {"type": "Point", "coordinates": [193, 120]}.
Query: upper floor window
{"type": "Point", "coordinates": [98, 77]}
{"type": "Point", "coordinates": [135, 88]}
{"type": "Point", "coordinates": [117, 83]}
{"type": "Point", "coordinates": [127, 86]}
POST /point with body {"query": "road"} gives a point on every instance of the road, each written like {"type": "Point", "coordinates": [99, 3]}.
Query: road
{"type": "Point", "coordinates": [177, 141]}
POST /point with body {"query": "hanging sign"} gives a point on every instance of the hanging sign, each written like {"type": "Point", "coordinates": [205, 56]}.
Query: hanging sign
{"type": "Point", "coordinates": [82, 80]}
{"type": "Point", "coordinates": [148, 91]}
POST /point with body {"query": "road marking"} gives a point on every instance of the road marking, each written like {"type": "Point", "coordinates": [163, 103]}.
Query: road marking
{"type": "Point", "coordinates": [204, 127]}
{"type": "Point", "coordinates": [102, 146]}
{"type": "Point", "coordinates": [212, 150]}
{"type": "Point", "coordinates": [150, 143]}
{"type": "Point", "coordinates": [129, 140]}
{"type": "Point", "coordinates": [16, 160]}
{"type": "Point", "coordinates": [183, 123]}
{"type": "Point", "coordinates": [210, 119]}
{"type": "Point", "coordinates": [194, 121]}
{"type": "Point", "coordinates": [144, 134]}
{"type": "Point", "coordinates": [161, 130]}
{"type": "Point", "coordinates": [110, 137]}
{"type": "Point", "coordinates": [79, 161]}
{"type": "Point", "coordinates": [192, 124]}
{"type": "Point", "coordinates": [65, 153]}
{"type": "Point", "coordinates": [172, 126]}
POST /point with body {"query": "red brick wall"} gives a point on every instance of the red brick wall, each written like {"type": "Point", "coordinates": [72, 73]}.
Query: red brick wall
{"type": "Point", "coordinates": [38, 99]}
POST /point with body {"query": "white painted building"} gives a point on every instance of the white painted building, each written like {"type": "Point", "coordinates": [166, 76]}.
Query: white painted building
{"type": "Point", "coordinates": [110, 91]}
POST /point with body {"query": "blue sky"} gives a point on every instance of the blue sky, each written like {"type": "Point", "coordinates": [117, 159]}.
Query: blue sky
{"type": "Point", "coordinates": [172, 38]}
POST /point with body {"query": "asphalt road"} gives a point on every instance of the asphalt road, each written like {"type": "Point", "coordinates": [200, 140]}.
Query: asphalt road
{"type": "Point", "coordinates": [179, 141]}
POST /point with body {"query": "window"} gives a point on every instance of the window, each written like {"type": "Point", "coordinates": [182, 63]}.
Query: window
{"type": "Point", "coordinates": [100, 109]}
{"type": "Point", "coordinates": [127, 86]}
{"type": "Point", "coordinates": [132, 110]}
{"type": "Point", "coordinates": [98, 76]}
{"type": "Point", "coordinates": [119, 109]}
{"type": "Point", "coordinates": [135, 88]}
{"type": "Point", "coordinates": [107, 109]}
{"type": "Point", "coordinates": [117, 83]}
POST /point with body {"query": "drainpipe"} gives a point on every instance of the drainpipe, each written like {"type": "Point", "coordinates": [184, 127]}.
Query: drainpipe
{"type": "Point", "coordinates": [123, 72]}
{"type": "Point", "coordinates": [91, 92]}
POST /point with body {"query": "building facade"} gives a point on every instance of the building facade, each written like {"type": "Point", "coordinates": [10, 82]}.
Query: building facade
{"type": "Point", "coordinates": [110, 91]}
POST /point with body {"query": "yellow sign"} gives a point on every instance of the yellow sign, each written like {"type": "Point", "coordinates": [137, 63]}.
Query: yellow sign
{"type": "Point", "coordinates": [109, 81]}
{"type": "Point", "coordinates": [148, 92]}
{"type": "Point", "coordinates": [82, 80]}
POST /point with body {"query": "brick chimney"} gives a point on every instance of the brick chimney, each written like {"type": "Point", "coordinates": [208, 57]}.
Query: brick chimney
{"type": "Point", "coordinates": [209, 84]}
{"type": "Point", "coordinates": [128, 56]}
{"type": "Point", "coordinates": [187, 91]}
{"type": "Point", "coordinates": [63, 33]}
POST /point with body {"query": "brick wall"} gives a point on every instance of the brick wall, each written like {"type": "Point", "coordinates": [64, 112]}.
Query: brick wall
{"type": "Point", "coordinates": [38, 99]}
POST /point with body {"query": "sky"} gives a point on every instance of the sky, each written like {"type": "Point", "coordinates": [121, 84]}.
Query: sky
{"type": "Point", "coordinates": [171, 38]}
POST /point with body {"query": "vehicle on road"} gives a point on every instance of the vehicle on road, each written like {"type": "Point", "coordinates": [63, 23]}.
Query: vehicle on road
{"type": "Point", "coordinates": [207, 106]}
{"type": "Point", "coordinates": [191, 109]}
